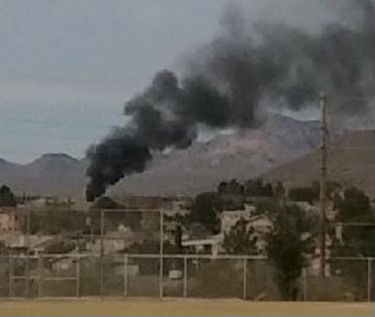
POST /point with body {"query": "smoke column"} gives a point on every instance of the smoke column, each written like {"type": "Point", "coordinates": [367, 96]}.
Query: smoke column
{"type": "Point", "coordinates": [226, 86]}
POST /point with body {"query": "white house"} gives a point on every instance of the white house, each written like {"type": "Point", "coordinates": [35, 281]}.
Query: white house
{"type": "Point", "coordinates": [229, 218]}
{"type": "Point", "coordinates": [262, 225]}
{"type": "Point", "coordinates": [210, 245]}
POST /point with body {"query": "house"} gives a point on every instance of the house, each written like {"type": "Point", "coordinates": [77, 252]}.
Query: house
{"type": "Point", "coordinates": [173, 205]}
{"type": "Point", "coordinates": [229, 218]}
{"type": "Point", "coordinates": [198, 241]}
{"type": "Point", "coordinates": [112, 242]}
{"type": "Point", "coordinates": [18, 243]}
{"type": "Point", "coordinates": [11, 219]}
{"type": "Point", "coordinates": [48, 201]}
{"type": "Point", "coordinates": [210, 245]}
{"type": "Point", "coordinates": [262, 226]}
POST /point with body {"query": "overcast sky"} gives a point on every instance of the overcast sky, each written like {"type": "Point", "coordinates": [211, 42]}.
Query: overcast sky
{"type": "Point", "coordinates": [68, 66]}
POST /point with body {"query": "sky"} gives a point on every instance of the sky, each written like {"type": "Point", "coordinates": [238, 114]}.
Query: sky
{"type": "Point", "coordinates": [67, 67]}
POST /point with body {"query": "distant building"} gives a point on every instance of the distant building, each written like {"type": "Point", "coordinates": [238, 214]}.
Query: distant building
{"type": "Point", "coordinates": [10, 219]}
{"type": "Point", "coordinates": [262, 226]}
{"type": "Point", "coordinates": [171, 205]}
{"type": "Point", "coordinates": [48, 201]}
{"type": "Point", "coordinates": [261, 223]}
{"type": "Point", "coordinates": [18, 243]}
{"type": "Point", "coordinates": [113, 242]}
{"type": "Point", "coordinates": [210, 245]}
{"type": "Point", "coordinates": [229, 218]}
{"type": "Point", "coordinates": [198, 241]}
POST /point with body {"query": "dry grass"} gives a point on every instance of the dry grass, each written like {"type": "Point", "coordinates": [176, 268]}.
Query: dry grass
{"type": "Point", "coordinates": [178, 307]}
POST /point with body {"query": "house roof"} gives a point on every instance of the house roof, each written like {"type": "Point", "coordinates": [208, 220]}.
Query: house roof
{"type": "Point", "coordinates": [258, 217]}
{"type": "Point", "coordinates": [210, 240]}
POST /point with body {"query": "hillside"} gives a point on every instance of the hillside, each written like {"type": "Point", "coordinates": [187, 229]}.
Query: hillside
{"type": "Point", "coordinates": [51, 174]}
{"type": "Point", "coordinates": [351, 162]}
{"type": "Point", "coordinates": [240, 155]}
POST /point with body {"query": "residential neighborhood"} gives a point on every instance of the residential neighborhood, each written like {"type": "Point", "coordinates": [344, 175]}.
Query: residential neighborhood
{"type": "Point", "coordinates": [131, 225]}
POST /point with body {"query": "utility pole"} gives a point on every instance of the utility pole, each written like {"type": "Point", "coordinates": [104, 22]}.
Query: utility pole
{"type": "Point", "coordinates": [28, 245]}
{"type": "Point", "coordinates": [323, 181]}
{"type": "Point", "coordinates": [161, 255]}
{"type": "Point", "coordinates": [102, 231]}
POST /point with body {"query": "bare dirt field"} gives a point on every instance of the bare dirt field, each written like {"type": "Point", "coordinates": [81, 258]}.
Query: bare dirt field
{"type": "Point", "coordinates": [178, 307]}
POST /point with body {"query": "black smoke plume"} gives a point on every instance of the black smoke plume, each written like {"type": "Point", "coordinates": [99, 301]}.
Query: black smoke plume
{"type": "Point", "coordinates": [228, 83]}
{"type": "Point", "coordinates": [165, 115]}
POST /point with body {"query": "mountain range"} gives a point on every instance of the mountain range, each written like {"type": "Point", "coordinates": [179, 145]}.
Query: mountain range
{"type": "Point", "coordinates": [282, 148]}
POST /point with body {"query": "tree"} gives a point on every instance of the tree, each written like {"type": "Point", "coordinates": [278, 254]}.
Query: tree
{"type": "Point", "coordinates": [311, 193]}
{"type": "Point", "coordinates": [268, 207]}
{"type": "Point", "coordinates": [357, 240]}
{"type": "Point", "coordinates": [287, 249]}
{"type": "Point", "coordinates": [279, 191]}
{"type": "Point", "coordinates": [258, 188]}
{"type": "Point", "coordinates": [355, 207]}
{"type": "Point", "coordinates": [307, 194]}
{"type": "Point", "coordinates": [240, 239]}
{"type": "Point", "coordinates": [205, 209]}
{"type": "Point", "coordinates": [222, 188]}
{"type": "Point", "coordinates": [7, 198]}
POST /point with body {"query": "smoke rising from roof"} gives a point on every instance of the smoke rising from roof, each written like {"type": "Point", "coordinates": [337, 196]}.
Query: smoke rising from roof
{"type": "Point", "coordinates": [229, 81]}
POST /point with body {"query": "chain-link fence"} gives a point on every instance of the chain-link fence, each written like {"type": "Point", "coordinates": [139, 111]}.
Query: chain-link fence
{"type": "Point", "coordinates": [350, 279]}
{"type": "Point", "coordinates": [201, 276]}
{"type": "Point", "coordinates": [135, 252]}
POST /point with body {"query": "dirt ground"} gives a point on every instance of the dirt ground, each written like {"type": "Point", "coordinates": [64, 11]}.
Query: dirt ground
{"type": "Point", "coordinates": [178, 307]}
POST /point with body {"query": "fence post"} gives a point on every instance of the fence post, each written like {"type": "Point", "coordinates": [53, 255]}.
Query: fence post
{"type": "Point", "coordinates": [40, 274]}
{"type": "Point", "coordinates": [78, 276]}
{"type": "Point", "coordinates": [304, 280]}
{"type": "Point", "coordinates": [244, 277]}
{"type": "Point", "coordinates": [10, 259]}
{"type": "Point", "coordinates": [126, 258]}
{"type": "Point", "coordinates": [185, 276]}
{"type": "Point", "coordinates": [369, 279]}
